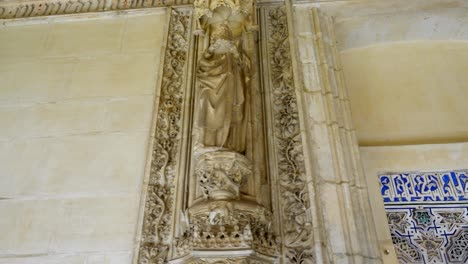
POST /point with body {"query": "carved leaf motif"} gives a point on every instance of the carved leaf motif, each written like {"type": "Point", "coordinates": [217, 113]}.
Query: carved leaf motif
{"type": "Point", "coordinates": [300, 256]}
{"type": "Point", "coordinates": [297, 228]}
{"type": "Point", "coordinates": [160, 195]}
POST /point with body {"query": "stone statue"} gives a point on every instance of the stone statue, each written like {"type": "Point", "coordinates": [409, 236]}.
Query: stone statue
{"type": "Point", "coordinates": [227, 223]}
{"type": "Point", "coordinates": [223, 92]}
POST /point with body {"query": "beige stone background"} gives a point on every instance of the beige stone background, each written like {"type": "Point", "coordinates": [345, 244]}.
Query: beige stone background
{"type": "Point", "coordinates": [409, 92]}
{"type": "Point", "coordinates": [406, 71]}
{"type": "Point", "coordinates": [76, 102]}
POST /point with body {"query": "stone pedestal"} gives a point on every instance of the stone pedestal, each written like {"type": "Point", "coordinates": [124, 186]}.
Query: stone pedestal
{"type": "Point", "coordinates": [223, 228]}
{"type": "Point", "coordinates": [236, 231]}
{"type": "Point", "coordinates": [221, 173]}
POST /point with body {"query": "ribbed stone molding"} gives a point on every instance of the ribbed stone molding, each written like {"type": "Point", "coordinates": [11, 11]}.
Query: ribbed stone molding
{"type": "Point", "coordinates": [345, 227]}
{"type": "Point", "coordinates": [24, 9]}
{"type": "Point", "coordinates": [11, 9]}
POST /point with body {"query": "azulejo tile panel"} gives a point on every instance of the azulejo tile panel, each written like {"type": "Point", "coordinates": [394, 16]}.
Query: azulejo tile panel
{"type": "Point", "coordinates": [428, 215]}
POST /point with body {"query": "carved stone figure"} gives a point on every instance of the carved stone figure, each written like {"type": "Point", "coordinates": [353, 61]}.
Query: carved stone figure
{"type": "Point", "coordinates": [222, 221]}
{"type": "Point", "coordinates": [223, 92]}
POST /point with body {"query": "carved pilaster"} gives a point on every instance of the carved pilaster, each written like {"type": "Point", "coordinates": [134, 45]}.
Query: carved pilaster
{"type": "Point", "coordinates": [344, 223]}
{"type": "Point", "coordinates": [159, 208]}
{"type": "Point", "coordinates": [286, 141]}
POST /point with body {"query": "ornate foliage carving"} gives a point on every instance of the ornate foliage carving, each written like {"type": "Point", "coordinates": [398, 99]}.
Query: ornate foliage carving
{"type": "Point", "coordinates": [228, 261]}
{"type": "Point", "coordinates": [221, 173]}
{"type": "Point", "coordinates": [227, 226]}
{"type": "Point", "coordinates": [297, 226]}
{"type": "Point", "coordinates": [20, 9]}
{"type": "Point", "coordinates": [159, 205]}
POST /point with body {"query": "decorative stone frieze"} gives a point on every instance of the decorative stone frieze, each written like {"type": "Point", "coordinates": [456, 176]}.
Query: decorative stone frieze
{"type": "Point", "coordinates": [235, 226]}
{"type": "Point", "coordinates": [156, 236]}
{"type": "Point", "coordinates": [23, 9]}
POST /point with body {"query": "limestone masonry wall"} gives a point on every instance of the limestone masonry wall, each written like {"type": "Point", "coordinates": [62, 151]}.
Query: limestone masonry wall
{"type": "Point", "coordinates": [76, 102]}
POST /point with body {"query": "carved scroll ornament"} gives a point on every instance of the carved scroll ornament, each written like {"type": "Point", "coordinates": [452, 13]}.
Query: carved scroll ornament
{"type": "Point", "coordinates": [294, 200]}
{"type": "Point", "coordinates": [159, 208]}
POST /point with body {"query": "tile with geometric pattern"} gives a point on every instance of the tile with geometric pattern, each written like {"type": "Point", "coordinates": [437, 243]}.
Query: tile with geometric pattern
{"type": "Point", "coordinates": [428, 215]}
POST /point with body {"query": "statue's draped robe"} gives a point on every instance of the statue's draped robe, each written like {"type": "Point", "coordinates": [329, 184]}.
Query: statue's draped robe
{"type": "Point", "coordinates": [223, 100]}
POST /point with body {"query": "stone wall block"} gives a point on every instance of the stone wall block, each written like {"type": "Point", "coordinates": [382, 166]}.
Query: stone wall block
{"type": "Point", "coordinates": [307, 52]}
{"type": "Point", "coordinates": [143, 33]}
{"type": "Point", "coordinates": [311, 81]}
{"type": "Point", "coordinates": [85, 38]}
{"type": "Point", "coordinates": [308, 55]}
{"type": "Point", "coordinates": [331, 209]}
{"type": "Point", "coordinates": [75, 108]}
{"type": "Point", "coordinates": [103, 76]}
{"type": "Point", "coordinates": [339, 154]}
{"type": "Point", "coordinates": [322, 152]}
{"type": "Point", "coordinates": [315, 104]}
{"type": "Point", "coordinates": [23, 35]}
{"type": "Point", "coordinates": [331, 111]}
{"type": "Point", "coordinates": [302, 29]}
{"type": "Point", "coordinates": [44, 79]}
{"type": "Point", "coordinates": [341, 114]}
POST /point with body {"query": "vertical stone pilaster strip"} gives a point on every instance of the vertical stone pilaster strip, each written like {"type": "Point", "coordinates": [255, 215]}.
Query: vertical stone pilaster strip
{"type": "Point", "coordinates": [156, 235]}
{"type": "Point", "coordinates": [293, 198]}
{"type": "Point", "coordinates": [346, 224]}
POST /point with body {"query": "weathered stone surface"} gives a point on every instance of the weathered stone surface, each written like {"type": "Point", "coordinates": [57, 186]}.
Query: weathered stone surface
{"type": "Point", "coordinates": [76, 113]}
